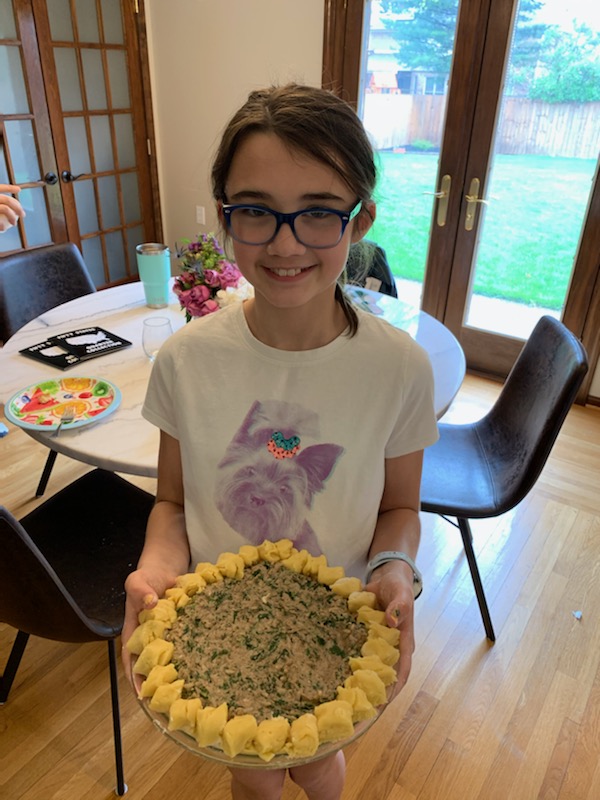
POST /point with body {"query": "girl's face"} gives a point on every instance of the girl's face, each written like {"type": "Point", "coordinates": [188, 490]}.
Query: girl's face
{"type": "Point", "coordinates": [284, 272]}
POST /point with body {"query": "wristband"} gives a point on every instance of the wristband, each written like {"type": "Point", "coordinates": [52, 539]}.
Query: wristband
{"type": "Point", "coordinates": [394, 555]}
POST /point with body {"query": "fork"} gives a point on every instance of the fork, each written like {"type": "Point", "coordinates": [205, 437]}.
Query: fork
{"type": "Point", "coordinates": [68, 416]}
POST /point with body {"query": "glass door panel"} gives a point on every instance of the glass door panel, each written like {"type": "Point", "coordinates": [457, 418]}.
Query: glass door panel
{"type": "Point", "coordinates": [542, 168]}
{"type": "Point", "coordinates": [402, 102]}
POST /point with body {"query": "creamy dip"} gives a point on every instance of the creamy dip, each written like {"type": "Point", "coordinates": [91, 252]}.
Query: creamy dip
{"type": "Point", "coordinates": [275, 643]}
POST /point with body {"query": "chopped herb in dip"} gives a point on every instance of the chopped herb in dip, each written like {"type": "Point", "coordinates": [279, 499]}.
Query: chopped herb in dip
{"type": "Point", "coordinates": [275, 643]}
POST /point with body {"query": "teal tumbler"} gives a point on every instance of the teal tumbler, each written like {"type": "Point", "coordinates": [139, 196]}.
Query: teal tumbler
{"type": "Point", "coordinates": [154, 267]}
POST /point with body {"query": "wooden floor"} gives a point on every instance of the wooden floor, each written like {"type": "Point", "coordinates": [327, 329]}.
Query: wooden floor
{"type": "Point", "coordinates": [518, 720]}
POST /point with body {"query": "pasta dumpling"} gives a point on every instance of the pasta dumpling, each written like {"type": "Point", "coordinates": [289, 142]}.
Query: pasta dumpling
{"type": "Point", "coordinates": [144, 634]}
{"type": "Point", "coordinates": [182, 714]}
{"type": "Point", "coordinates": [164, 610]}
{"type": "Point", "coordinates": [380, 648]}
{"type": "Point", "coordinates": [369, 615]}
{"type": "Point", "coordinates": [165, 695]}
{"type": "Point", "coordinates": [358, 599]}
{"type": "Point", "coordinates": [158, 675]}
{"type": "Point", "coordinates": [209, 724]}
{"type": "Point", "coordinates": [329, 575]}
{"type": "Point", "coordinates": [371, 684]}
{"type": "Point", "coordinates": [158, 651]}
{"type": "Point", "coordinates": [249, 554]}
{"type": "Point", "coordinates": [238, 734]}
{"type": "Point", "coordinates": [303, 739]}
{"type": "Point", "coordinates": [271, 737]}
{"type": "Point", "coordinates": [362, 708]}
{"type": "Point", "coordinates": [391, 635]}
{"type": "Point", "coordinates": [386, 673]}
{"type": "Point", "coordinates": [346, 586]}
{"type": "Point", "coordinates": [209, 572]}
{"type": "Point", "coordinates": [334, 720]}
{"type": "Point", "coordinates": [231, 565]}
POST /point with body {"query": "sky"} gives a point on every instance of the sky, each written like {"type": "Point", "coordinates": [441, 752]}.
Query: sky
{"type": "Point", "coordinates": [560, 11]}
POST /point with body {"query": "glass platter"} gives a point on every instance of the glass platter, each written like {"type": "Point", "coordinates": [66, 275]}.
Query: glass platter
{"type": "Point", "coordinates": [214, 753]}
{"type": "Point", "coordinates": [41, 405]}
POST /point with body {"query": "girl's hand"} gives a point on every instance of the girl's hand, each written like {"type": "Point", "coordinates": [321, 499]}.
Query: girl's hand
{"type": "Point", "coordinates": [143, 589]}
{"type": "Point", "coordinates": [393, 585]}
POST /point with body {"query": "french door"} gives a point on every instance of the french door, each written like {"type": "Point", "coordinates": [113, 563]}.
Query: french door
{"type": "Point", "coordinates": [76, 130]}
{"type": "Point", "coordinates": [482, 190]}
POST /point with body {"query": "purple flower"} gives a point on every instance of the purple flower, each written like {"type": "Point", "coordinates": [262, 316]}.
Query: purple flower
{"type": "Point", "coordinates": [230, 275]}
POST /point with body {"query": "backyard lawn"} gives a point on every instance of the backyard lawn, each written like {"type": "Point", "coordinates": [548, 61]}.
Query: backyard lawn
{"type": "Point", "coordinates": [531, 231]}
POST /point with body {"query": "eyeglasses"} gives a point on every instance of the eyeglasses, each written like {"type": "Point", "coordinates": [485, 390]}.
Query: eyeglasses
{"type": "Point", "coordinates": [312, 227]}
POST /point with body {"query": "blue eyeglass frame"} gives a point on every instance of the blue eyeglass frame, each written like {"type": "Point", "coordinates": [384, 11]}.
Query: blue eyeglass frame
{"type": "Point", "coordinates": [289, 219]}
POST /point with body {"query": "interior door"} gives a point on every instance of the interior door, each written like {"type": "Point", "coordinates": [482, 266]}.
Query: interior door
{"type": "Point", "coordinates": [458, 196]}
{"type": "Point", "coordinates": [79, 140]}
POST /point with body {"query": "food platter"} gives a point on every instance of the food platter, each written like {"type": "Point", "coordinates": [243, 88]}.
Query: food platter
{"type": "Point", "coordinates": [269, 658]}
{"type": "Point", "coordinates": [41, 406]}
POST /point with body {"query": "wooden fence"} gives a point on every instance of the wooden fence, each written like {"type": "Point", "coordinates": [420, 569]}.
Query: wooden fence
{"type": "Point", "coordinates": [527, 127]}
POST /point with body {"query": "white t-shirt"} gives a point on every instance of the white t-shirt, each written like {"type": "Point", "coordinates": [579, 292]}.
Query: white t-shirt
{"type": "Point", "coordinates": [289, 444]}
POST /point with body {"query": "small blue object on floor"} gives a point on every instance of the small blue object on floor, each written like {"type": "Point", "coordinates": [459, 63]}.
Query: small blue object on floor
{"type": "Point", "coordinates": [3, 430]}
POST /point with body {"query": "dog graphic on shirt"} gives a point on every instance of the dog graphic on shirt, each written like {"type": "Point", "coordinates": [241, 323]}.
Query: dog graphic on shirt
{"type": "Point", "coordinates": [268, 480]}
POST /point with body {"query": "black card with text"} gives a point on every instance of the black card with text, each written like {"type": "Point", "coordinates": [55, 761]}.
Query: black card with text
{"type": "Point", "coordinates": [67, 349]}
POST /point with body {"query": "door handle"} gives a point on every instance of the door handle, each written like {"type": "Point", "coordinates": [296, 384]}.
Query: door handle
{"type": "Point", "coordinates": [442, 197]}
{"type": "Point", "coordinates": [472, 199]}
{"type": "Point", "coordinates": [68, 176]}
{"type": "Point", "coordinates": [50, 178]}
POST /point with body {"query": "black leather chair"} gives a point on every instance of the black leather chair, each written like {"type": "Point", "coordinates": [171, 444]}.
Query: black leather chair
{"type": "Point", "coordinates": [62, 571]}
{"type": "Point", "coordinates": [368, 266]}
{"type": "Point", "coordinates": [483, 469]}
{"type": "Point", "coordinates": [35, 281]}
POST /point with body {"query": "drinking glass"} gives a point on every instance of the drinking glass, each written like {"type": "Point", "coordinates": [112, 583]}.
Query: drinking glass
{"type": "Point", "coordinates": [156, 332]}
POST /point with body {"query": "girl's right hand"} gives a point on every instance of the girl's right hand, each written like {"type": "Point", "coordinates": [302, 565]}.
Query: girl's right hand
{"type": "Point", "coordinates": [143, 591]}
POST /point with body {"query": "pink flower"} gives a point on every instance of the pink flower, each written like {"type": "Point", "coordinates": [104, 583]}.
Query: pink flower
{"type": "Point", "coordinates": [230, 275]}
{"type": "Point", "coordinates": [193, 299]}
{"type": "Point", "coordinates": [208, 307]}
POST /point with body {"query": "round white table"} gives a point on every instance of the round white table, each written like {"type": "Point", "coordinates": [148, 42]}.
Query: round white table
{"type": "Point", "coordinates": [124, 441]}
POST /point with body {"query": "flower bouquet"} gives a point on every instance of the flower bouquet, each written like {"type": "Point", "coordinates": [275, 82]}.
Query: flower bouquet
{"type": "Point", "coordinates": [208, 281]}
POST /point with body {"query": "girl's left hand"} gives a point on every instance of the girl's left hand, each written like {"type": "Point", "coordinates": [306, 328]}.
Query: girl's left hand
{"type": "Point", "coordinates": [393, 585]}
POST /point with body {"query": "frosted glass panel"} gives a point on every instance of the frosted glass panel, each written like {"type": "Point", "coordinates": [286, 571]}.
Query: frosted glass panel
{"type": "Point", "coordinates": [85, 203]}
{"type": "Point", "coordinates": [131, 200]}
{"type": "Point", "coordinates": [102, 144]}
{"type": "Point", "coordinates": [109, 202]}
{"type": "Point", "coordinates": [36, 221]}
{"type": "Point", "coordinates": [125, 143]}
{"type": "Point", "coordinates": [115, 255]}
{"type": "Point", "coordinates": [68, 79]}
{"type": "Point", "coordinates": [7, 22]}
{"type": "Point", "coordinates": [87, 22]}
{"type": "Point", "coordinates": [13, 97]}
{"type": "Point", "coordinates": [112, 21]}
{"type": "Point", "coordinates": [3, 167]}
{"type": "Point", "coordinates": [21, 145]}
{"type": "Point", "coordinates": [79, 157]}
{"type": "Point", "coordinates": [10, 240]}
{"type": "Point", "coordinates": [117, 76]}
{"type": "Point", "coordinates": [93, 78]}
{"type": "Point", "coordinates": [59, 14]}
{"type": "Point", "coordinates": [91, 250]}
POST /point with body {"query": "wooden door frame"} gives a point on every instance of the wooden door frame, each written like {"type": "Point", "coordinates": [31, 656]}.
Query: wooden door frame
{"type": "Point", "coordinates": [447, 261]}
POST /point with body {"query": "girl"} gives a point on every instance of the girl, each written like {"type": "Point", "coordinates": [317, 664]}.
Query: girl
{"type": "Point", "coordinates": [293, 180]}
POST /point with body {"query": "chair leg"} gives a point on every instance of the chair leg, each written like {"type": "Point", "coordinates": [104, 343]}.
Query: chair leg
{"type": "Point", "coordinates": [467, 537]}
{"type": "Point", "coordinates": [114, 694]}
{"type": "Point", "coordinates": [12, 665]}
{"type": "Point", "coordinates": [46, 473]}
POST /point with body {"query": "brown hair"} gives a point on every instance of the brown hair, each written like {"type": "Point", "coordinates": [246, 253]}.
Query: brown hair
{"type": "Point", "coordinates": [315, 122]}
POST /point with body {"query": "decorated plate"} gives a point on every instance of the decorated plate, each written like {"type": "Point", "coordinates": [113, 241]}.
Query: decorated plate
{"type": "Point", "coordinates": [41, 405]}
{"type": "Point", "coordinates": [268, 658]}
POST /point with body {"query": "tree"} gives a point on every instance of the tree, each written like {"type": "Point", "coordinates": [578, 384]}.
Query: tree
{"type": "Point", "coordinates": [569, 69]}
{"type": "Point", "coordinates": [425, 29]}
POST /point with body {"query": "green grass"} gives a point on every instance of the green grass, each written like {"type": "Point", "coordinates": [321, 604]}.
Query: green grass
{"type": "Point", "coordinates": [531, 226]}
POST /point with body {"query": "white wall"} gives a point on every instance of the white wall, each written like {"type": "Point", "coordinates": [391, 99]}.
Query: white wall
{"type": "Point", "coordinates": [205, 56]}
